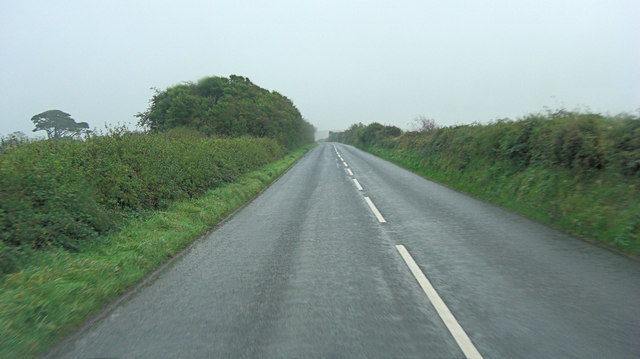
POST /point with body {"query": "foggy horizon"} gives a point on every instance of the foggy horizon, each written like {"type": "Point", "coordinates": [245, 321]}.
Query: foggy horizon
{"type": "Point", "coordinates": [339, 62]}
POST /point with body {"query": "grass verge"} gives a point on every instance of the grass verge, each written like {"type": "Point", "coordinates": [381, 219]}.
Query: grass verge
{"type": "Point", "coordinates": [41, 304]}
{"type": "Point", "coordinates": [577, 171]}
{"type": "Point", "coordinates": [602, 209]}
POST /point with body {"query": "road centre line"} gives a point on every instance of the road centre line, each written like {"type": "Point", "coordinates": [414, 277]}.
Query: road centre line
{"type": "Point", "coordinates": [447, 317]}
{"type": "Point", "coordinates": [358, 186]}
{"type": "Point", "coordinates": [375, 210]}
{"type": "Point", "coordinates": [345, 164]}
{"type": "Point", "coordinates": [349, 171]}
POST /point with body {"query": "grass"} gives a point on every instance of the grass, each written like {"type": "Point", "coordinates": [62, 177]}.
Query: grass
{"type": "Point", "coordinates": [65, 193]}
{"type": "Point", "coordinates": [577, 171]}
{"type": "Point", "coordinates": [602, 209]}
{"type": "Point", "coordinates": [44, 302]}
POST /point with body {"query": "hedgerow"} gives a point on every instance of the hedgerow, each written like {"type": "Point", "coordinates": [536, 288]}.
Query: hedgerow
{"type": "Point", "coordinates": [64, 193]}
{"type": "Point", "coordinates": [577, 171]}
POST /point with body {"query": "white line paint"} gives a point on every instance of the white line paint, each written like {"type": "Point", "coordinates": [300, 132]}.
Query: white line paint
{"type": "Point", "coordinates": [345, 164]}
{"type": "Point", "coordinates": [449, 320]}
{"type": "Point", "coordinates": [358, 186]}
{"type": "Point", "coordinates": [349, 171]}
{"type": "Point", "coordinates": [375, 210]}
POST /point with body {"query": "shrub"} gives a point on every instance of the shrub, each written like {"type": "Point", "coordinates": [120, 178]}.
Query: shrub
{"type": "Point", "coordinates": [578, 171]}
{"type": "Point", "coordinates": [63, 193]}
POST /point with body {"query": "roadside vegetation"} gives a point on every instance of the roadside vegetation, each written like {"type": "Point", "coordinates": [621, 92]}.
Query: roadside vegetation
{"type": "Point", "coordinates": [43, 302]}
{"type": "Point", "coordinates": [579, 172]}
{"type": "Point", "coordinates": [228, 107]}
{"type": "Point", "coordinates": [68, 193]}
{"type": "Point", "coordinates": [85, 215]}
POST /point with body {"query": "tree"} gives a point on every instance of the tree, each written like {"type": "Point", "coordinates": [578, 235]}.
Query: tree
{"type": "Point", "coordinates": [231, 106]}
{"type": "Point", "coordinates": [58, 124]}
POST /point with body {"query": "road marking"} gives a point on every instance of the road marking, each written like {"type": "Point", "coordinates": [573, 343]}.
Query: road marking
{"type": "Point", "coordinates": [349, 171]}
{"type": "Point", "coordinates": [345, 164]}
{"type": "Point", "coordinates": [375, 210]}
{"type": "Point", "coordinates": [358, 186]}
{"type": "Point", "coordinates": [447, 317]}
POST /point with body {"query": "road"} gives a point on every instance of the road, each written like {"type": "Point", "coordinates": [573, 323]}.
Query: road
{"type": "Point", "coordinates": [319, 266]}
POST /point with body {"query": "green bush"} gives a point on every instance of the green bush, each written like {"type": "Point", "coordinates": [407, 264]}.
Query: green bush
{"type": "Point", "coordinates": [62, 193]}
{"type": "Point", "coordinates": [231, 107]}
{"type": "Point", "coordinates": [577, 171]}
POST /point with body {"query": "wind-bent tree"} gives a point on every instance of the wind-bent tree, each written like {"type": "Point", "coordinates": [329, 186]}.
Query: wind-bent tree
{"type": "Point", "coordinates": [58, 124]}
{"type": "Point", "coordinates": [229, 107]}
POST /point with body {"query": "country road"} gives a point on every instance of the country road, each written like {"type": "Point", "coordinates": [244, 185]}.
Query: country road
{"type": "Point", "coordinates": [349, 256]}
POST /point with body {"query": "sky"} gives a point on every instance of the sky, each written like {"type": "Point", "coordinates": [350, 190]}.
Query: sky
{"type": "Point", "coordinates": [340, 62]}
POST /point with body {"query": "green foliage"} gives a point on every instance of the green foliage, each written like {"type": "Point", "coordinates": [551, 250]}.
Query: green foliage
{"type": "Point", "coordinates": [576, 171]}
{"type": "Point", "coordinates": [63, 193]}
{"type": "Point", "coordinates": [366, 136]}
{"type": "Point", "coordinates": [229, 107]}
{"type": "Point", "coordinates": [58, 124]}
{"type": "Point", "coordinates": [43, 302]}
{"type": "Point", "coordinates": [12, 139]}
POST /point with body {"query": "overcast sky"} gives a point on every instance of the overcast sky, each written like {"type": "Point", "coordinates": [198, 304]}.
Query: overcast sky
{"type": "Point", "coordinates": [340, 62]}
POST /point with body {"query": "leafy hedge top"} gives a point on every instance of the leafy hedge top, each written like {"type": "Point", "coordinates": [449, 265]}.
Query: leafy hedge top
{"type": "Point", "coordinates": [581, 142]}
{"type": "Point", "coordinates": [228, 107]}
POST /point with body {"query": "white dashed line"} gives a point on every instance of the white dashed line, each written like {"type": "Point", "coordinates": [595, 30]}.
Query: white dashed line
{"type": "Point", "coordinates": [358, 186]}
{"type": "Point", "coordinates": [449, 320]}
{"type": "Point", "coordinates": [345, 164]}
{"type": "Point", "coordinates": [375, 210]}
{"type": "Point", "coordinates": [349, 172]}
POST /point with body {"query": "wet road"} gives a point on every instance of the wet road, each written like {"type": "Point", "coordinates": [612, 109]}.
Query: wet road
{"type": "Point", "coordinates": [314, 268]}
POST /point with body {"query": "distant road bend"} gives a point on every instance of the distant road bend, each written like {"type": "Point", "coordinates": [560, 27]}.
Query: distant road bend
{"type": "Point", "coordinates": [350, 256]}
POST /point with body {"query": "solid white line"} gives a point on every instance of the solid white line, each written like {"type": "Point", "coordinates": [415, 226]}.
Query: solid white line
{"type": "Point", "coordinates": [358, 186]}
{"type": "Point", "coordinates": [349, 171]}
{"type": "Point", "coordinates": [449, 320]}
{"type": "Point", "coordinates": [375, 210]}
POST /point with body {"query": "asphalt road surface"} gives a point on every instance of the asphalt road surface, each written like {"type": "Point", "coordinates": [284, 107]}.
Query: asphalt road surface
{"type": "Point", "coordinates": [349, 256]}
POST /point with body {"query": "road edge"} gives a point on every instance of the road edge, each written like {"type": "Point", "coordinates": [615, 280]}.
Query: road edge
{"type": "Point", "coordinates": [57, 349]}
